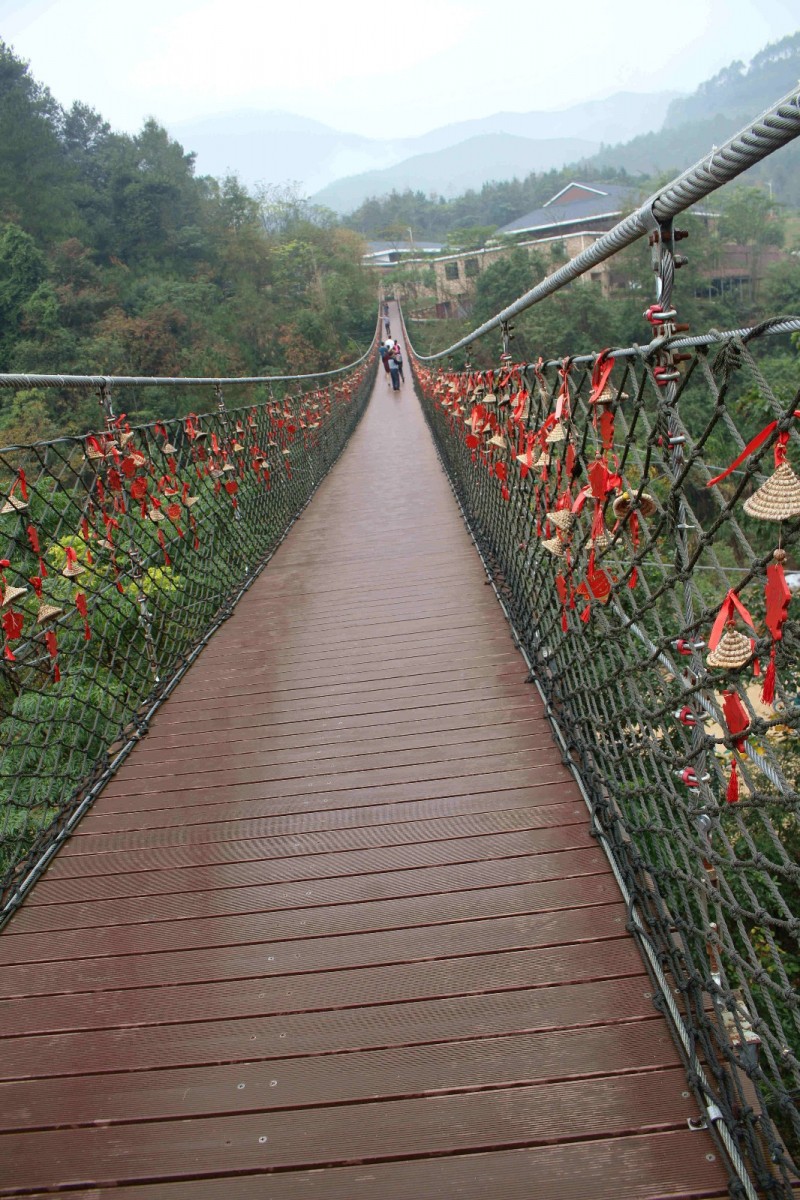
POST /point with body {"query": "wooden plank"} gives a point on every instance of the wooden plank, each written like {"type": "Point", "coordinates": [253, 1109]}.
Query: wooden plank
{"type": "Point", "coordinates": [296, 865]}
{"type": "Point", "coordinates": [310, 892]}
{"type": "Point", "coordinates": [195, 868]}
{"type": "Point", "coordinates": [457, 714]}
{"type": "Point", "coordinates": [337, 742]}
{"type": "Point", "coordinates": [337, 1078]}
{"type": "Point", "coordinates": [316, 921]}
{"type": "Point", "coordinates": [336, 952]}
{"type": "Point", "coordinates": [532, 735]}
{"type": "Point", "coordinates": [550, 785]}
{"type": "Point", "coordinates": [362, 767]}
{"type": "Point", "coordinates": [412, 1023]}
{"type": "Point", "coordinates": [340, 1134]}
{"type": "Point", "coordinates": [348, 708]}
{"type": "Point", "coordinates": [672, 1165]}
{"type": "Point", "coordinates": [319, 991]}
{"type": "Point", "coordinates": [508, 682]}
{"type": "Point", "coordinates": [315, 671]}
{"type": "Point", "coordinates": [97, 853]}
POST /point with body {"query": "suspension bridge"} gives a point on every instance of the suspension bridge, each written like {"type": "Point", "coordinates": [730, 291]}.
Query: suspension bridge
{"type": "Point", "coordinates": [399, 788]}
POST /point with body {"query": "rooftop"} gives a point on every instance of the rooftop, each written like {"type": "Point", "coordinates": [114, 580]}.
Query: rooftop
{"type": "Point", "coordinates": [577, 202]}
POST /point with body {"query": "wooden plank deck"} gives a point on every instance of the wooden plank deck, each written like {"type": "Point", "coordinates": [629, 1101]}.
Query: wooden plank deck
{"type": "Point", "coordinates": [337, 927]}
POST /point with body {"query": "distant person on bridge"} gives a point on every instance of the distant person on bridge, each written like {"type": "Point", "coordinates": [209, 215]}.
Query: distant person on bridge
{"type": "Point", "coordinates": [387, 326]}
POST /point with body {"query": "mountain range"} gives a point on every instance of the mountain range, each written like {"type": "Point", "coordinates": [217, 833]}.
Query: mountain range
{"type": "Point", "coordinates": [341, 169]}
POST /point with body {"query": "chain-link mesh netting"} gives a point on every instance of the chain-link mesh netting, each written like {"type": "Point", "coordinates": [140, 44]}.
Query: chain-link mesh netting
{"type": "Point", "coordinates": [121, 551]}
{"type": "Point", "coordinates": [653, 604]}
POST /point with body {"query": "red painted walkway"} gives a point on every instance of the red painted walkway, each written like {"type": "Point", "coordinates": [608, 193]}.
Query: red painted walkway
{"type": "Point", "coordinates": [337, 928]}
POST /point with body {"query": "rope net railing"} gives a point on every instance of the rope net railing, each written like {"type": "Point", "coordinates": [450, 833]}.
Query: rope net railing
{"type": "Point", "coordinates": [121, 552]}
{"type": "Point", "coordinates": [649, 590]}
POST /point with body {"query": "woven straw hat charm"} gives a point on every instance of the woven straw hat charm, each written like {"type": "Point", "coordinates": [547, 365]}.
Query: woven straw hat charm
{"type": "Point", "coordinates": [730, 649]}
{"type": "Point", "coordinates": [778, 498]}
{"type": "Point", "coordinates": [14, 504]}
{"type": "Point", "coordinates": [554, 546]}
{"type": "Point", "coordinates": [563, 519]}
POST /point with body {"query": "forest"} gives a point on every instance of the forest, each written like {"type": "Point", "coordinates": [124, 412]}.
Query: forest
{"type": "Point", "coordinates": [116, 258]}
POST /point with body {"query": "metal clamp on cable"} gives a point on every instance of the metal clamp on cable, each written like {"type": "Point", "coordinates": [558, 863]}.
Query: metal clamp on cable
{"type": "Point", "coordinates": [507, 330]}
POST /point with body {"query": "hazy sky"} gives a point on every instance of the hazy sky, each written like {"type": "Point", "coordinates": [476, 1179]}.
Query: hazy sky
{"type": "Point", "coordinates": [403, 67]}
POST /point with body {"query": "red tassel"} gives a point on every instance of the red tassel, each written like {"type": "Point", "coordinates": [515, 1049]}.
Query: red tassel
{"type": "Point", "coordinates": [162, 541]}
{"type": "Point", "coordinates": [768, 690]}
{"type": "Point", "coordinates": [732, 794]}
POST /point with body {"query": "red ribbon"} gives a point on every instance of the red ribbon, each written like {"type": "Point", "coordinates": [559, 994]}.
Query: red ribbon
{"type": "Point", "coordinates": [601, 373]}
{"type": "Point", "coordinates": [754, 444]}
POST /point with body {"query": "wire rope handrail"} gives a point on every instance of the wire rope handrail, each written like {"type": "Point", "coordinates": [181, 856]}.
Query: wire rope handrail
{"type": "Point", "coordinates": [21, 380]}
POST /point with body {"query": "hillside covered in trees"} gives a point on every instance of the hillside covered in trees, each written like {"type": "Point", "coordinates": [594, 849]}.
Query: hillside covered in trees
{"type": "Point", "coordinates": [116, 258]}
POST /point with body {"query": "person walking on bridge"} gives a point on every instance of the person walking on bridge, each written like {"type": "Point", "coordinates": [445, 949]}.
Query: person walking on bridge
{"type": "Point", "coordinates": [394, 370]}
{"type": "Point", "coordinates": [386, 354]}
{"type": "Point", "coordinates": [397, 355]}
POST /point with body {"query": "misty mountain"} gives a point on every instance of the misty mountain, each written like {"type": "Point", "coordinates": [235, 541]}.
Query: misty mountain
{"type": "Point", "coordinates": [276, 147]}
{"type": "Point", "coordinates": [709, 116]}
{"type": "Point", "coordinates": [469, 164]}
{"type": "Point", "coordinates": [615, 119]}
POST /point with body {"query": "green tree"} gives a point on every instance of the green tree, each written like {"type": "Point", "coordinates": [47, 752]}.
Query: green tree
{"type": "Point", "coordinates": [22, 270]}
{"type": "Point", "coordinates": [504, 280]}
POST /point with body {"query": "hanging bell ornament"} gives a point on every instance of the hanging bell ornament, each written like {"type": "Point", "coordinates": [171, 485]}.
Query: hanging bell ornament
{"type": "Point", "coordinates": [499, 441]}
{"type": "Point", "coordinates": [778, 498]}
{"type": "Point", "coordinates": [72, 569]}
{"type": "Point", "coordinates": [11, 594]}
{"type": "Point", "coordinates": [563, 519]}
{"type": "Point", "coordinates": [608, 396]}
{"type": "Point", "coordinates": [168, 448]}
{"type": "Point", "coordinates": [14, 504]}
{"type": "Point", "coordinates": [731, 651]}
{"type": "Point", "coordinates": [557, 434]}
{"type": "Point", "coordinates": [47, 612]}
{"type": "Point", "coordinates": [554, 546]}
